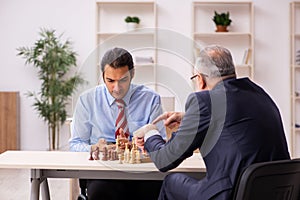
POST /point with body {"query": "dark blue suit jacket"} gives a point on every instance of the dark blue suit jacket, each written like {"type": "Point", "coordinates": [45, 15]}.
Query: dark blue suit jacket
{"type": "Point", "coordinates": [234, 125]}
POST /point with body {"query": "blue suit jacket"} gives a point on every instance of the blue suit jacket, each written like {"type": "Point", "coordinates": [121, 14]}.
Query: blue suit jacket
{"type": "Point", "coordinates": [234, 125]}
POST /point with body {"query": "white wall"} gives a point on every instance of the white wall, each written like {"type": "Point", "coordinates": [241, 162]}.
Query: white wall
{"type": "Point", "coordinates": [20, 21]}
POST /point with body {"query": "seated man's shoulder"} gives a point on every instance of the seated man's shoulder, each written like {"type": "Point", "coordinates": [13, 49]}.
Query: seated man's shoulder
{"type": "Point", "coordinates": [144, 90]}
{"type": "Point", "coordinates": [92, 92]}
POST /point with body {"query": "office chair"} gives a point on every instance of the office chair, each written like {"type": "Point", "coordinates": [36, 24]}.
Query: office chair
{"type": "Point", "coordinates": [274, 180]}
{"type": "Point", "coordinates": [82, 185]}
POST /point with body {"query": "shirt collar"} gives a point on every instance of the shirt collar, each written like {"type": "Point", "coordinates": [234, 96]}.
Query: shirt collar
{"type": "Point", "coordinates": [126, 98]}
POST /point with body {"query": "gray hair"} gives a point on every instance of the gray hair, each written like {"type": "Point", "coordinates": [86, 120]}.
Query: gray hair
{"type": "Point", "coordinates": [215, 61]}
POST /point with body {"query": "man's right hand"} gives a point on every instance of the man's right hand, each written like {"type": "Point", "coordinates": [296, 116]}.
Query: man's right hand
{"type": "Point", "coordinates": [100, 144]}
{"type": "Point", "coordinates": [140, 133]}
{"type": "Point", "coordinates": [172, 119]}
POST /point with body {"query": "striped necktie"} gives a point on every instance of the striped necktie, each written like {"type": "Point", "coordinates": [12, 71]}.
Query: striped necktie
{"type": "Point", "coordinates": [121, 121]}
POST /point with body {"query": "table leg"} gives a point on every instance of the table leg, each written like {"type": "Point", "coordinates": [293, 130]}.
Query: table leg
{"type": "Point", "coordinates": [45, 190]}
{"type": "Point", "coordinates": [35, 189]}
{"type": "Point", "coordinates": [35, 184]}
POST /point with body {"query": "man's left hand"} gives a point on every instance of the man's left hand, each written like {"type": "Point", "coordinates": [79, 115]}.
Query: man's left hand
{"type": "Point", "coordinates": [140, 133]}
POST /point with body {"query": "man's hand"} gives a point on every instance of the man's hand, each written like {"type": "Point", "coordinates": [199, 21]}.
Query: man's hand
{"type": "Point", "coordinates": [100, 144]}
{"type": "Point", "coordinates": [172, 119]}
{"type": "Point", "coordinates": [122, 138]}
{"type": "Point", "coordinates": [139, 141]}
{"type": "Point", "coordinates": [140, 133]}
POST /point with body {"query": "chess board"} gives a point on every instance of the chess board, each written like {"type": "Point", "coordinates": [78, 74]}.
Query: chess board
{"type": "Point", "coordinates": [122, 151]}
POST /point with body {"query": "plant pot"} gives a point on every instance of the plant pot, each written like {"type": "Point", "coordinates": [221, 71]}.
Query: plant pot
{"type": "Point", "coordinates": [221, 28]}
{"type": "Point", "coordinates": [131, 26]}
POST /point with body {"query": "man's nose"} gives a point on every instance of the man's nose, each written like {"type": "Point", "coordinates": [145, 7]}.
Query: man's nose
{"type": "Point", "coordinates": [116, 86]}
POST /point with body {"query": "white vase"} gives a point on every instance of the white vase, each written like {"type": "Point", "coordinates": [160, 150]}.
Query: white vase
{"type": "Point", "coordinates": [131, 26]}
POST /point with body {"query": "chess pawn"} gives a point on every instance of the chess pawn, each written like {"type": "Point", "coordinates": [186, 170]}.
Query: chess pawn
{"type": "Point", "coordinates": [125, 157]}
{"type": "Point", "coordinates": [128, 156]}
{"type": "Point", "coordinates": [104, 155]}
{"type": "Point", "coordinates": [115, 153]}
{"type": "Point", "coordinates": [133, 145]}
{"type": "Point", "coordinates": [91, 156]}
{"type": "Point", "coordinates": [132, 156]}
{"type": "Point", "coordinates": [108, 154]}
{"type": "Point", "coordinates": [96, 154]}
{"type": "Point", "coordinates": [120, 158]}
{"type": "Point", "coordinates": [138, 156]}
{"type": "Point", "coordinates": [126, 153]}
{"type": "Point", "coordinates": [117, 143]}
{"type": "Point", "coordinates": [111, 154]}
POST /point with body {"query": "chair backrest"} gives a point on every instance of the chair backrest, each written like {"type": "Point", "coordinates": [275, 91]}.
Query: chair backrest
{"type": "Point", "coordinates": [168, 103]}
{"type": "Point", "coordinates": [274, 180]}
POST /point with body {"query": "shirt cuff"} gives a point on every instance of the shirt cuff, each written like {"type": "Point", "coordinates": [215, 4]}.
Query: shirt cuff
{"type": "Point", "coordinates": [150, 133]}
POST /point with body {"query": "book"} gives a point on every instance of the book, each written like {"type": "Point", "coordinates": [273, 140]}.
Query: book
{"type": "Point", "coordinates": [246, 57]}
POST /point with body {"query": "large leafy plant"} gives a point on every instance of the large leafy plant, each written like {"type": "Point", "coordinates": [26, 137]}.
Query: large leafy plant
{"type": "Point", "coordinates": [53, 59]}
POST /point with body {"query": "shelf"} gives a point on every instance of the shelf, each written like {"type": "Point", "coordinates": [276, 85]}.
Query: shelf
{"type": "Point", "coordinates": [134, 33]}
{"type": "Point", "coordinates": [112, 31]}
{"type": "Point", "coordinates": [296, 98]}
{"type": "Point", "coordinates": [212, 2]}
{"type": "Point", "coordinates": [238, 39]}
{"type": "Point", "coordinates": [219, 34]}
{"type": "Point", "coordinates": [297, 67]}
{"type": "Point", "coordinates": [243, 65]}
{"type": "Point", "coordinates": [241, 14]}
{"type": "Point", "coordinates": [110, 16]}
{"type": "Point", "coordinates": [125, 2]}
{"type": "Point", "coordinates": [144, 65]}
{"type": "Point", "coordinates": [294, 75]}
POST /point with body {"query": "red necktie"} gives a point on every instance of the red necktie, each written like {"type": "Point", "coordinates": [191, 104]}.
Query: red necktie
{"type": "Point", "coordinates": [121, 121]}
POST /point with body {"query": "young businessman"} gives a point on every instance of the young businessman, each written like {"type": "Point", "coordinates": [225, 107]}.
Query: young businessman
{"type": "Point", "coordinates": [232, 121]}
{"type": "Point", "coordinates": [98, 116]}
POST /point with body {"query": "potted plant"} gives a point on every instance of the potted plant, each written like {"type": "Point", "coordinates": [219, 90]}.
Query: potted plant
{"type": "Point", "coordinates": [54, 60]}
{"type": "Point", "coordinates": [132, 22]}
{"type": "Point", "coordinates": [222, 21]}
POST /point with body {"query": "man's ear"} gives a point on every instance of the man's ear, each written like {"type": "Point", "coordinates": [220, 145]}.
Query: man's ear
{"type": "Point", "coordinates": [202, 83]}
{"type": "Point", "coordinates": [132, 71]}
{"type": "Point", "coordinates": [103, 77]}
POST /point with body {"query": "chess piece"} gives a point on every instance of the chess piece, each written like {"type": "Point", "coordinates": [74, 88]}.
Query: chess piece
{"type": "Point", "coordinates": [117, 143]}
{"type": "Point", "coordinates": [120, 158]}
{"type": "Point", "coordinates": [96, 154]}
{"type": "Point", "coordinates": [138, 156]}
{"type": "Point", "coordinates": [113, 157]}
{"type": "Point", "coordinates": [127, 153]}
{"type": "Point", "coordinates": [110, 154]}
{"type": "Point", "coordinates": [101, 144]}
{"type": "Point", "coordinates": [132, 156]}
{"type": "Point", "coordinates": [91, 156]}
{"type": "Point", "coordinates": [104, 155]}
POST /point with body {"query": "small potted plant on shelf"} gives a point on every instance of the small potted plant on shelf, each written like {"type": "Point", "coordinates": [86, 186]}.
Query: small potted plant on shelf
{"type": "Point", "coordinates": [132, 22]}
{"type": "Point", "coordinates": [222, 21]}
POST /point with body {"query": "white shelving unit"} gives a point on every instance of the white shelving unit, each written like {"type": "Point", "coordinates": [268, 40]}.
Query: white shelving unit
{"type": "Point", "coordinates": [295, 77]}
{"type": "Point", "coordinates": [239, 38]}
{"type": "Point", "coordinates": [111, 31]}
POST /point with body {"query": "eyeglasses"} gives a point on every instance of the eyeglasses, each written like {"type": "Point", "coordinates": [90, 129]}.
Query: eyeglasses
{"type": "Point", "coordinates": [197, 75]}
{"type": "Point", "coordinates": [194, 76]}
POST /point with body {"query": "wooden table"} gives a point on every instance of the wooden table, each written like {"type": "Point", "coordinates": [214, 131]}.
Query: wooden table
{"type": "Point", "coordinates": [64, 164]}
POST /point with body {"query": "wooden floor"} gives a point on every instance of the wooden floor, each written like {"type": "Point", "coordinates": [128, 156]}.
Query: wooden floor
{"type": "Point", "coordinates": [15, 185]}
